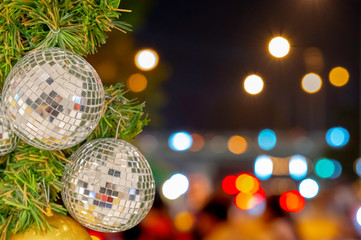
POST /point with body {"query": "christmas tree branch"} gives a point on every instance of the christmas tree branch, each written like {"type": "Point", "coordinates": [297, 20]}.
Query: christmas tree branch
{"type": "Point", "coordinates": [80, 26]}
{"type": "Point", "coordinates": [128, 114]}
{"type": "Point", "coordinates": [23, 203]}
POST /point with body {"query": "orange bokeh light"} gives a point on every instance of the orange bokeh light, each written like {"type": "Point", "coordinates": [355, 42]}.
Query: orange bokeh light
{"type": "Point", "coordinates": [247, 184]}
{"type": "Point", "coordinates": [198, 142]}
{"type": "Point", "coordinates": [339, 76]}
{"type": "Point", "coordinates": [237, 144]}
{"type": "Point", "coordinates": [292, 201]}
{"type": "Point", "coordinates": [137, 82]}
{"type": "Point", "coordinates": [184, 222]}
{"type": "Point", "coordinates": [245, 201]}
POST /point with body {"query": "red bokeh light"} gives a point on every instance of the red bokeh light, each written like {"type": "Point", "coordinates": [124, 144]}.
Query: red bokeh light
{"type": "Point", "coordinates": [229, 185]}
{"type": "Point", "coordinates": [292, 201]}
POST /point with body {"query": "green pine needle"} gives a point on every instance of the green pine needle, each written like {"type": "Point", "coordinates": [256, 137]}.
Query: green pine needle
{"type": "Point", "coordinates": [80, 26]}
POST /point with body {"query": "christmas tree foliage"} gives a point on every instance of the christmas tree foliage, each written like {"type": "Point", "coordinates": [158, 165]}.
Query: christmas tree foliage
{"type": "Point", "coordinates": [30, 178]}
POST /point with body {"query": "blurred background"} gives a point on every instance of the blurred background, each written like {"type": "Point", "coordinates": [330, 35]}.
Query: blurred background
{"type": "Point", "coordinates": [255, 109]}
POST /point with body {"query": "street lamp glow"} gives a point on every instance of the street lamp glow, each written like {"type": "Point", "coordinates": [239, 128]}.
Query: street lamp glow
{"type": "Point", "coordinates": [311, 83]}
{"type": "Point", "coordinates": [253, 84]}
{"type": "Point", "coordinates": [146, 59]}
{"type": "Point", "coordinates": [279, 47]}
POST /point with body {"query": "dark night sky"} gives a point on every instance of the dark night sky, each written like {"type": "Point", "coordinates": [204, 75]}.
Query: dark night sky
{"type": "Point", "coordinates": [211, 46]}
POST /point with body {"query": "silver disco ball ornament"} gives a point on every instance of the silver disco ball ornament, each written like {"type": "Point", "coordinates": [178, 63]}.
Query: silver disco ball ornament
{"type": "Point", "coordinates": [109, 187]}
{"type": "Point", "coordinates": [53, 98]}
{"type": "Point", "coordinates": [8, 139]}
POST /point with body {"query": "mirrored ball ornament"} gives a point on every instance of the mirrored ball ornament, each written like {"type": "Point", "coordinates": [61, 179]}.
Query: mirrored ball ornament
{"type": "Point", "coordinates": [54, 99]}
{"type": "Point", "coordinates": [109, 187]}
{"type": "Point", "coordinates": [8, 139]}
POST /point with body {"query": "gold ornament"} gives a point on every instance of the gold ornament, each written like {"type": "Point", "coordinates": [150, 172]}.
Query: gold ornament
{"type": "Point", "coordinates": [63, 228]}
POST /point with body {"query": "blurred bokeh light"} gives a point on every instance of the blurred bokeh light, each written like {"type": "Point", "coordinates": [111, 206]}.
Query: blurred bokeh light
{"type": "Point", "coordinates": [175, 186]}
{"type": "Point", "coordinates": [292, 201]}
{"type": "Point", "coordinates": [180, 141]}
{"type": "Point", "coordinates": [247, 183]}
{"type": "Point", "coordinates": [357, 166]}
{"type": "Point", "coordinates": [311, 83]}
{"type": "Point", "coordinates": [184, 222]}
{"type": "Point", "coordinates": [218, 144]}
{"type": "Point", "coordinates": [263, 167]}
{"type": "Point", "coordinates": [309, 188]}
{"type": "Point", "coordinates": [258, 209]}
{"type": "Point", "coordinates": [314, 60]}
{"type": "Point", "coordinates": [298, 167]}
{"type": "Point", "coordinates": [253, 84]}
{"type": "Point", "coordinates": [146, 59]}
{"type": "Point", "coordinates": [245, 201]}
{"type": "Point", "coordinates": [339, 76]}
{"type": "Point", "coordinates": [147, 143]}
{"type": "Point", "coordinates": [267, 139]}
{"type": "Point", "coordinates": [229, 185]}
{"type": "Point", "coordinates": [358, 216]}
{"type": "Point", "coordinates": [198, 142]}
{"type": "Point", "coordinates": [237, 144]}
{"type": "Point", "coordinates": [137, 82]}
{"type": "Point", "coordinates": [279, 47]}
{"type": "Point", "coordinates": [337, 137]}
{"type": "Point", "coordinates": [338, 169]}
{"type": "Point", "coordinates": [325, 168]}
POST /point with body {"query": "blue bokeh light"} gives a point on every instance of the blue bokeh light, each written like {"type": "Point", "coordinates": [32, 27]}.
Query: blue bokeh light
{"type": "Point", "coordinates": [337, 137]}
{"type": "Point", "coordinates": [338, 169]}
{"type": "Point", "coordinates": [180, 141]}
{"type": "Point", "coordinates": [267, 139]}
{"type": "Point", "coordinates": [358, 167]}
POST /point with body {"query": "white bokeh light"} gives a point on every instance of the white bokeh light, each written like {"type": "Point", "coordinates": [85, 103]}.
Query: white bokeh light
{"type": "Point", "coordinates": [175, 186]}
{"type": "Point", "coordinates": [180, 141]}
{"type": "Point", "coordinates": [263, 167]}
{"type": "Point", "coordinates": [169, 191]}
{"type": "Point", "coordinates": [146, 59]}
{"type": "Point", "coordinates": [309, 188]}
{"type": "Point", "coordinates": [298, 167]}
{"type": "Point", "coordinates": [358, 216]}
{"type": "Point", "coordinates": [279, 47]}
{"type": "Point", "coordinates": [180, 181]}
{"type": "Point", "coordinates": [253, 84]}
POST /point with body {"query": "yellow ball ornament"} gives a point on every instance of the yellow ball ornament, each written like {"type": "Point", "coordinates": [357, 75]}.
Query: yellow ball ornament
{"type": "Point", "coordinates": [63, 228]}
